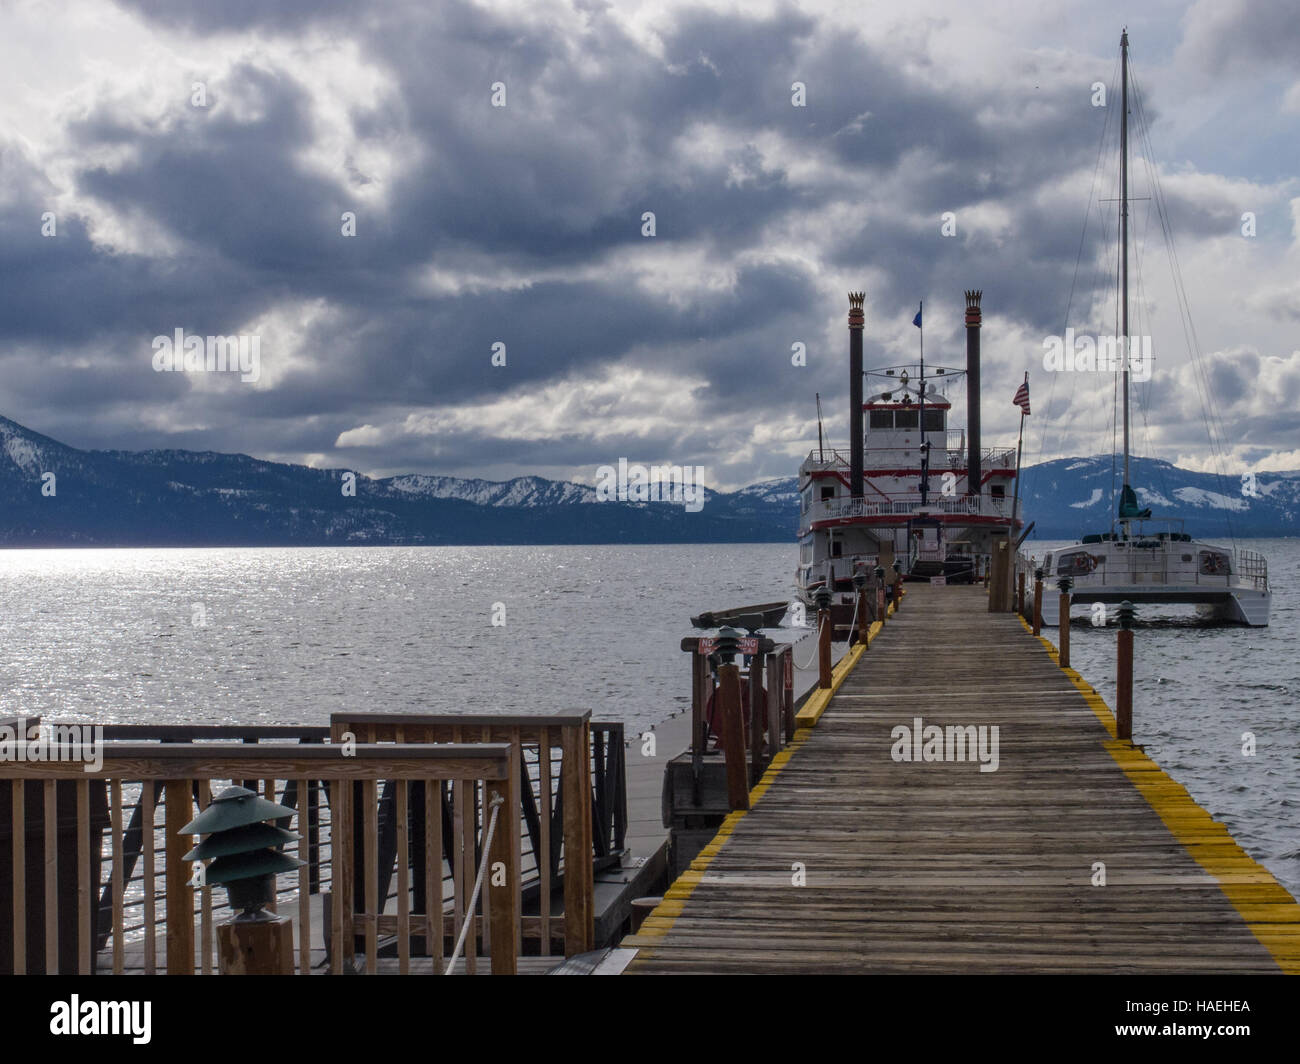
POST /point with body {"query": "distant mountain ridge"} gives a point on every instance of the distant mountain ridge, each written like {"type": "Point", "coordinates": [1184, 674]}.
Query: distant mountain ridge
{"type": "Point", "coordinates": [203, 498]}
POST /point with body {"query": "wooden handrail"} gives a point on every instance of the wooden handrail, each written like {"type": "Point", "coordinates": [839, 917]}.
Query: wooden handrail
{"type": "Point", "coordinates": [186, 769]}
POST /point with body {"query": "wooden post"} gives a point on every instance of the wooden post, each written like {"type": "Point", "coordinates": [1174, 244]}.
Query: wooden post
{"type": "Point", "coordinates": [264, 947]}
{"type": "Point", "coordinates": [503, 873]}
{"type": "Point", "coordinates": [1064, 622]}
{"type": "Point", "coordinates": [733, 740]}
{"type": "Point", "coordinates": [757, 700]}
{"type": "Point", "coordinates": [864, 618]}
{"type": "Point", "coordinates": [1020, 592]}
{"type": "Point", "coordinates": [1124, 686]}
{"type": "Point", "coordinates": [1124, 674]}
{"type": "Point", "coordinates": [180, 895]}
{"type": "Point", "coordinates": [898, 592]}
{"type": "Point", "coordinates": [1038, 602]}
{"type": "Point", "coordinates": [578, 916]}
{"type": "Point", "coordinates": [1000, 576]}
{"type": "Point", "coordinates": [823, 648]}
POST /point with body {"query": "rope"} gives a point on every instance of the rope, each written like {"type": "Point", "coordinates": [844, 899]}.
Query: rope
{"type": "Point", "coordinates": [497, 802]}
{"type": "Point", "coordinates": [808, 664]}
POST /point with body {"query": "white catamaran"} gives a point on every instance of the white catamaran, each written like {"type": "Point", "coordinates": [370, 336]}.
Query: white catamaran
{"type": "Point", "coordinates": [1142, 559]}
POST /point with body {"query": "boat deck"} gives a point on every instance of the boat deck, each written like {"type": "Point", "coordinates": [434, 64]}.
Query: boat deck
{"type": "Point", "coordinates": [939, 867]}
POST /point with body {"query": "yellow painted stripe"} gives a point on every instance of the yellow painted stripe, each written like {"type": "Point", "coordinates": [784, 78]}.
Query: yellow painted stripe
{"type": "Point", "coordinates": [1269, 910]}
{"type": "Point", "coordinates": [661, 919]}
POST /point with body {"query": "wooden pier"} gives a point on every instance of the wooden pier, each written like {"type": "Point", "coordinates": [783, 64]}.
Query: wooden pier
{"type": "Point", "coordinates": [850, 861]}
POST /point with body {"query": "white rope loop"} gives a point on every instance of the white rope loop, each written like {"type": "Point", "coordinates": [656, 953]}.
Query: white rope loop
{"type": "Point", "coordinates": [497, 802]}
{"type": "Point", "coordinates": [816, 644]}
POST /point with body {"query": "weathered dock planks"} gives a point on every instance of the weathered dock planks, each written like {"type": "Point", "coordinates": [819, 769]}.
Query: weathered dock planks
{"type": "Point", "coordinates": [851, 861]}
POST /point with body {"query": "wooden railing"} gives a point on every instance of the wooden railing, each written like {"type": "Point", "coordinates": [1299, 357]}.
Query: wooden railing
{"type": "Point", "coordinates": [473, 774]}
{"type": "Point", "coordinates": [556, 809]}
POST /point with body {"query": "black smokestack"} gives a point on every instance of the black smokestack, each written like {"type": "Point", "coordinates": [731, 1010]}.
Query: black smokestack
{"type": "Point", "coordinates": [973, 321]}
{"type": "Point", "coordinates": [856, 321]}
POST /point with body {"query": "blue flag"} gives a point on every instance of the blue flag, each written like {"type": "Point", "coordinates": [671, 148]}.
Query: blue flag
{"type": "Point", "coordinates": [917, 320]}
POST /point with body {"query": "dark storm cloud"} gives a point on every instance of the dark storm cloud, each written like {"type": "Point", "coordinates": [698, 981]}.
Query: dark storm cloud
{"type": "Point", "coordinates": [556, 182]}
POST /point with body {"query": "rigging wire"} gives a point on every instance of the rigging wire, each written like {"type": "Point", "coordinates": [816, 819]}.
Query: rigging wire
{"type": "Point", "coordinates": [1078, 260]}
{"type": "Point", "coordinates": [1200, 373]}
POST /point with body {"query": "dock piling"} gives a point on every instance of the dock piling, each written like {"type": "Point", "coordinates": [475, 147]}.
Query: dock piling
{"type": "Point", "coordinates": [864, 617]}
{"type": "Point", "coordinates": [1124, 673]}
{"type": "Point", "coordinates": [733, 725]}
{"type": "Point", "coordinates": [824, 636]}
{"type": "Point", "coordinates": [1038, 601]}
{"type": "Point", "coordinates": [881, 613]}
{"type": "Point", "coordinates": [1065, 583]}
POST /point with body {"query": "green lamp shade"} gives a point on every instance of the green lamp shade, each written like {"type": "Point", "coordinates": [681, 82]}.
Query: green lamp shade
{"type": "Point", "coordinates": [241, 840]}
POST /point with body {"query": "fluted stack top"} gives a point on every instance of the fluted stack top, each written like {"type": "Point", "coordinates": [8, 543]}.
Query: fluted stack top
{"type": "Point", "coordinates": [856, 317]}
{"type": "Point", "coordinates": [973, 316]}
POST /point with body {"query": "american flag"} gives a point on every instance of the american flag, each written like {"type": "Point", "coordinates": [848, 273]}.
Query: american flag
{"type": "Point", "coordinates": [1022, 396]}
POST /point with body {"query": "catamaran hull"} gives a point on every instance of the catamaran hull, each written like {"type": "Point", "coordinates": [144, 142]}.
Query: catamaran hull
{"type": "Point", "coordinates": [1231, 606]}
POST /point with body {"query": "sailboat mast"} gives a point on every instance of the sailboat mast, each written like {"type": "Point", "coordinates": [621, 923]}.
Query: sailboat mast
{"type": "Point", "coordinates": [1123, 228]}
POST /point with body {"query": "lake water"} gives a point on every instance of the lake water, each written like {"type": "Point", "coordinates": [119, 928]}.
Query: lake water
{"type": "Point", "coordinates": [287, 636]}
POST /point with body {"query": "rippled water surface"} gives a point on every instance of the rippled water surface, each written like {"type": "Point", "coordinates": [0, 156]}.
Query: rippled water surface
{"type": "Point", "coordinates": [1198, 689]}
{"type": "Point", "coordinates": [287, 636]}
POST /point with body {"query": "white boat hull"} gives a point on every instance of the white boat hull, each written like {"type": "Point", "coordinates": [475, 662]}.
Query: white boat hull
{"type": "Point", "coordinates": [1246, 606]}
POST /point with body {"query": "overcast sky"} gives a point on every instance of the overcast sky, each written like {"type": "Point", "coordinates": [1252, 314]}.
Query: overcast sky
{"type": "Point", "coordinates": [523, 224]}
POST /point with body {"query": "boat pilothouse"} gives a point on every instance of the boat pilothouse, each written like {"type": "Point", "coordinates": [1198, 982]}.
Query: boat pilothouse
{"type": "Point", "coordinates": [915, 489]}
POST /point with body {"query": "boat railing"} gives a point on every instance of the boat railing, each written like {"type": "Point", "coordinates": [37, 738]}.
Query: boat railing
{"type": "Point", "coordinates": [837, 456]}
{"type": "Point", "coordinates": [907, 504]}
{"type": "Point", "coordinates": [1251, 568]}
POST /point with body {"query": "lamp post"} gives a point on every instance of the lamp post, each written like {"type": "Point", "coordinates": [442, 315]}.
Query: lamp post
{"type": "Point", "coordinates": [246, 854]}
{"type": "Point", "coordinates": [1065, 583]}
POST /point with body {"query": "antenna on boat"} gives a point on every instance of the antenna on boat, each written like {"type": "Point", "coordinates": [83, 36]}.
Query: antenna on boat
{"type": "Point", "coordinates": [821, 449]}
{"type": "Point", "coordinates": [918, 321]}
{"type": "Point", "coordinates": [1123, 229]}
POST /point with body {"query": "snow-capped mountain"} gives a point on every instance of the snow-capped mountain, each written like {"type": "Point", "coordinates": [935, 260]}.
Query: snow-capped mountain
{"type": "Point", "coordinates": [55, 495]}
{"type": "Point", "coordinates": [1075, 496]}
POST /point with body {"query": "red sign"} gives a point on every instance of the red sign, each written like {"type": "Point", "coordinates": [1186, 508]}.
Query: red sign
{"type": "Point", "coordinates": [748, 645]}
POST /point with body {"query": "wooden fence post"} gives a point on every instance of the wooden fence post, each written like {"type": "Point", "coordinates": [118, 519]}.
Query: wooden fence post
{"type": "Point", "coordinates": [1124, 674]}
{"type": "Point", "coordinates": [180, 895]}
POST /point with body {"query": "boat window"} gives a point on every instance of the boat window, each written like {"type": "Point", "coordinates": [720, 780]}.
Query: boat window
{"type": "Point", "coordinates": [828, 493]}
{"type": "Point", "coordinates": [1187, 557]}
{"type": "Point", "coordinates": [934, 420]}
{"type": "Point", "coordinates": [1075, 564]}
{"type": "Point", "coordinates": [905, 419]}
{"type": "Point", "coordinates": [882, 419]}
{"type": "Point", "coordinates": [998, 491]}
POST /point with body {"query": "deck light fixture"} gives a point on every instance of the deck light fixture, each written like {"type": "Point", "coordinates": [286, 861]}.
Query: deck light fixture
{"type": "Point", "coordinates": [247, 851]}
